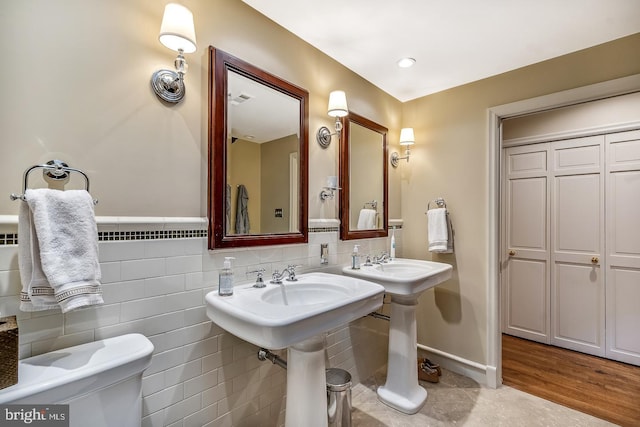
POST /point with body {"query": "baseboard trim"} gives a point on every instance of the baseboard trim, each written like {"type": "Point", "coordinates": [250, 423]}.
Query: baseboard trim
{"type": "Point", "coordinates": [483, 374]}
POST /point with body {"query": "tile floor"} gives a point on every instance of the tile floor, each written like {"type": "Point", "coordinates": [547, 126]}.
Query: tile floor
{"type": "Point", "coordinates": [459, 401]}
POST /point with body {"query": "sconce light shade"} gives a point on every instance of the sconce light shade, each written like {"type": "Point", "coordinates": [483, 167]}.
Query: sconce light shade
{"type": "Point", "coordinates": [178, 33]}
{"type": "Point", "coordinates": [407, 139]}
{"type": "Point", "coordinates": [406, 136]}
{"type": "Point", "coordinates": [177, 30]}
{"type": "Point", "coordinates": [337, 108]}
{"type": "Point", "coordinates": [338, 104]}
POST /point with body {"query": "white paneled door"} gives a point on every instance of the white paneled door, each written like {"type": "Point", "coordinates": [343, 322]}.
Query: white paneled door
{"type": "Point", "coordinates": [526, 259]}
{"type": "Point", "coordinates": [571, 243]}
{"type": "Point", "coordinates": [623, 247]}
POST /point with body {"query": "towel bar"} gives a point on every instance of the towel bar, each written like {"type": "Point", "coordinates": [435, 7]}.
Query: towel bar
{"type": "Point", "coordinates": [372, 204]}
{"type": "Point", "coordinates": [53, 169]}
{"type": "Point", "coordinates": [439, 203]}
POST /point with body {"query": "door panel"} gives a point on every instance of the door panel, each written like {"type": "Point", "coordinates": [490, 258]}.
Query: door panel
{"type": "Point", "coordinates": [623, 247]}
{"type": "Point", "coordinates": [578, 308]}
{"type": "Point", "coordinates": [525, 274]}
{"type": "Point", "coordinates": [577, 285]}
{"type": "Point", "coordinates": [527, 298]}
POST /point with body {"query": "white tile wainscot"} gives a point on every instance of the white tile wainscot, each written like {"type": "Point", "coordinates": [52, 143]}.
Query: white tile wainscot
{"type": "Point", "coordinates": [155, 273]}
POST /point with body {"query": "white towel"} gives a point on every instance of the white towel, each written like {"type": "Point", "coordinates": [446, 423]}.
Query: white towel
{"type": "Point", "coordinates": [367, 219]}
{"type": "Point", "coordinates": [58, 251]}
{"type": "Point", "coordinates": [440, 231]}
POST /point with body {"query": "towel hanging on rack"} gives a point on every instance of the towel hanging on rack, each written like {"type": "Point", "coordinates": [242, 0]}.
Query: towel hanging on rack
{"type": "Point", "coordinates": [367, 219]}
{"type": "Point", "coordinates": [58, 251]}
{"type": "Point", "coordinates": [242, 210]}
{"type": "Point", "coordinates": [439, 228]}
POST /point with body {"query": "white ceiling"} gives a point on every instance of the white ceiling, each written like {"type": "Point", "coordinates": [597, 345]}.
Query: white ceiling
{"type": "Point", "coordinates": [453, 41]}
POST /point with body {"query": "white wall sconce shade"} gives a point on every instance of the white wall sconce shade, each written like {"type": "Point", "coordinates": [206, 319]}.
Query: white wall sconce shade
{"type": "Point", "coordinates": [177, 32]}
{"type": "Point", "coordinates": [337, 108]}
{"type": "Point", "coordinates": [407, 139]}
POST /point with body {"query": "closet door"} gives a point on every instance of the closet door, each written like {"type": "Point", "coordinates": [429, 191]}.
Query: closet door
{"type": "Point", "coordinates": [577, 245]}
{"type": "Point", "coordinates": [525, 265]}
{"type": "Point", "coordinates": [623, 247]}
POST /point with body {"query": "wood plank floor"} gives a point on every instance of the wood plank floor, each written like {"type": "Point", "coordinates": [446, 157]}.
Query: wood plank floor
{"type": "Point", "coordinates": [600, 387]}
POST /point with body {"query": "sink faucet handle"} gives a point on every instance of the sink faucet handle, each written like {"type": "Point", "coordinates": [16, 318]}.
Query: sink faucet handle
{"type": "Point", "coordinates": [259, 282]}
{"type": "Point", "coordinates": [291, 269]}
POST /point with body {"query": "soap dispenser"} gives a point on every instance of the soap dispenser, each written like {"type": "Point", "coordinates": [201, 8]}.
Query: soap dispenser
{"type": "Point", "coordinates": [355, 258]}
{"type": "Point", "coordinates": [225, 278]}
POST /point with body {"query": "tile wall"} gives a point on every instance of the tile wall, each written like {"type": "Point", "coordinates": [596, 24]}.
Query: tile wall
{"type": "Point", "coordinates": [155, 273]}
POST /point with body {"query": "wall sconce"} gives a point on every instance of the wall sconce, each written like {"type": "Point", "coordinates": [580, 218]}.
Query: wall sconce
{"type": "Point", "coordinates": [328, 192]}
{"type": "Point", "coordinates": [407, 139]}
{"type": "Point", "coordinates": [337, 108]}
{"type": "Point", "coordinates": [177, 33]}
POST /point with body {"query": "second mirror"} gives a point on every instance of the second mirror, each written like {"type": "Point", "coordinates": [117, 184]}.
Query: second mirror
{"type": "Point", "coordinates": [363, 178]}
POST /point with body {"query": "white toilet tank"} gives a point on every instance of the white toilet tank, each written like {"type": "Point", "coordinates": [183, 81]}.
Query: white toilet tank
{"type": "Point", "coordinates": [101, 381]}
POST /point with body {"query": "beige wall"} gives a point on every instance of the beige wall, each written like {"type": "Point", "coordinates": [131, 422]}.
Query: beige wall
{"type": "Point", "coordinates": [274, 181]}
{"type": "Point", "coordinates": [79, 90]}
{"type": "Point", "coordinates": [450, 159]}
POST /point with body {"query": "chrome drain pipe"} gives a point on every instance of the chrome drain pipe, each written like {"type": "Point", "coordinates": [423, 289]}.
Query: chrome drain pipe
{"type": "Point", "coordinates": [377, 315]}
{"type": "Point", "coordinates": [264, 354]}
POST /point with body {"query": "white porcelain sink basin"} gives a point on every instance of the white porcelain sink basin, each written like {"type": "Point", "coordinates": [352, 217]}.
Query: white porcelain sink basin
{"type": "Point", "coordinates": [278, 316]}
{"type": "Point", "coordinates": [404, 276]}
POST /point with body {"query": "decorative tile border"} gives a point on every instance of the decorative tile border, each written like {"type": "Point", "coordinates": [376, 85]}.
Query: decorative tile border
{"type": "Point", "coordinates": [109, 236]}
{"type": "Point", "coordinates": [324, 230]}
{"type": "Point", "coordinates": [8, 239]}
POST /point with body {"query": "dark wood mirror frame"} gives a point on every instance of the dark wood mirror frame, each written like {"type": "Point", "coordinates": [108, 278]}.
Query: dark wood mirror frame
{"type": "Point", "coordinates": [345, 164]}
{"type": "Point", "coordinates": [219, 65]}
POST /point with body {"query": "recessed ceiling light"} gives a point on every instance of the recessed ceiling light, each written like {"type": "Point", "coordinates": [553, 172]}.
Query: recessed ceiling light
{"type": "Point", "coordinates": [406, 62]}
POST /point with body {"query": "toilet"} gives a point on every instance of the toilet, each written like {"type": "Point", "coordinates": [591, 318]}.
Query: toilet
{"type": "Point", "coordinates": [101, 381]}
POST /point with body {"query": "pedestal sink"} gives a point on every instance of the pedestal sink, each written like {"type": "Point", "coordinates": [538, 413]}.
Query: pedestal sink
{"type": "Point", "coordinates": [404, 280]}
{"type": "Point", "coordinates": [297, 315]}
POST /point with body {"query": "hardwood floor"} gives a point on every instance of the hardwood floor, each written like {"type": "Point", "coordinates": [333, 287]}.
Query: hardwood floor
{"type": "Point", "coordinates": [600, 387]}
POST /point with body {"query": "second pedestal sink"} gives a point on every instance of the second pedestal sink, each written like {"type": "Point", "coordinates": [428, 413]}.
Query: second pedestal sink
{"type": "Point", "coordinates": [296, 315]}
{"type": "Point", "coordinates": [404, 280]}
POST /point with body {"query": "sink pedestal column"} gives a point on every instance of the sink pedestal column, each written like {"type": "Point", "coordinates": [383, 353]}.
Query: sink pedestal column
{"type": "Point", "coordinates": [401, 390]}
{"type": "Point", "coordinates": [306, 384]}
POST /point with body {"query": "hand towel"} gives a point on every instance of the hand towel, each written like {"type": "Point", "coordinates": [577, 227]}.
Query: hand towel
{"type": "Point", "coordinates": [367, 219]}
{"type": "Point", "coordinates": [440, 231]}
{"type": "Point", "coordinates": [64, 247]}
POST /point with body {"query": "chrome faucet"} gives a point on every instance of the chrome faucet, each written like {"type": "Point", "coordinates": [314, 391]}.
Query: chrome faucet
{"type": "Point", "coordinates": [276, 277]}
{"type": "Point", "coordinates": [384, 257]}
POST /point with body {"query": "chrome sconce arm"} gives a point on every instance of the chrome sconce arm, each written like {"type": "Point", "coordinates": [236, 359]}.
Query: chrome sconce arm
{"type": "Point", "coordinates": [323, 136]}
{"type": "Point", "coordinates": [395, 157]}
{"type": "Point", "coordinates": [168, 84]}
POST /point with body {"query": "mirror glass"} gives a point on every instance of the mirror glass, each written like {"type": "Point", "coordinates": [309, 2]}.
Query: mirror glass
{"type": "Point", "coordinates": [363, 178]}
{"type": "Point", "coordinates": [257, 156]}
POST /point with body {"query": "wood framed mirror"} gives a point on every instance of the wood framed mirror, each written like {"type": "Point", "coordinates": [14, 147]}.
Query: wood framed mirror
{"type": "Point", "coordinates": [258, 156]}
{"type": "Point", "coordinates": [363, 179]}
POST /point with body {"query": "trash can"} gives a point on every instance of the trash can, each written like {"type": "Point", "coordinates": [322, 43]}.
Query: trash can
{"type": "Point", "coordinates": [338, 397]}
